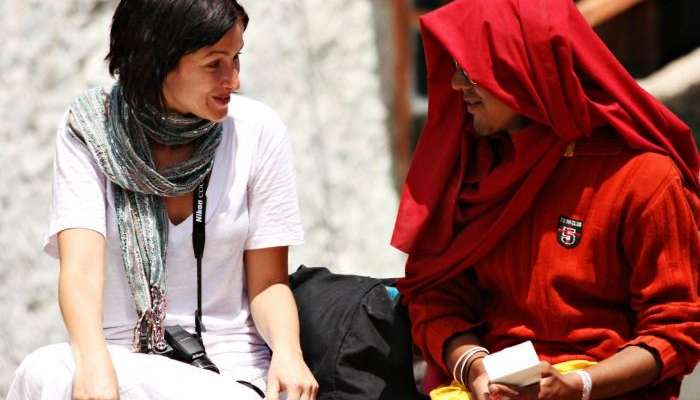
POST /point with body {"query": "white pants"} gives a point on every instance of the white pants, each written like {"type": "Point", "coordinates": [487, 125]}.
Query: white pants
{"type": "Point", "coordinates": [47, 373]}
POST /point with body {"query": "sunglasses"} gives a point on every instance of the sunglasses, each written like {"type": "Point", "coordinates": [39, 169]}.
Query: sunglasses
{"type": "Point", "coordinates": [464, 74]}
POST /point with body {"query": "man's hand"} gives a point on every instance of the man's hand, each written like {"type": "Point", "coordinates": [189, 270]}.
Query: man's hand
{"type": "Point", "coordinates": [552, 386]}
{"type": "Point", "coordinates": [479, 387]}
{"type": "Point", "coordinates": [478, 381]}
{"type": "Point", "coordinates": [289, 373]}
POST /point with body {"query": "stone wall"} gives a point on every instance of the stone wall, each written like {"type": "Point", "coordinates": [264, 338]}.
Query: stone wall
{"type": "Point", "coordinates": [313, 61]}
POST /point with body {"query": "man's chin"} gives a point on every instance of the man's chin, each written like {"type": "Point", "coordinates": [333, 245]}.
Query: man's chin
{"type": "Point", "coordinates": [482, 130]}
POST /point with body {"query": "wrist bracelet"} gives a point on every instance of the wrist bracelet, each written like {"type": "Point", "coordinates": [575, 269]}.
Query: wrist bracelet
{"type": "Point", "coordinates": [464, 358]}
{"type": "Point", "coordinates": [471, 362]}
{"type": "Point", "coordinates": [468, 364]}
{"type": "Point", "coordinates": [587, 384]}
{"type": "Point", "coordinates": [454, 369]}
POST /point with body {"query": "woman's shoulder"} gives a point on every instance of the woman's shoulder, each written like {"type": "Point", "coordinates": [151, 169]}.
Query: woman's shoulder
{"type": "Point", "coordinates": [85, 110]}
{"type": "Point", "coordinates": [250, 119]}
{"type": "Point", "coordinates": [244, 109]}
{"type": "Point", "coordinates": [97, 94]}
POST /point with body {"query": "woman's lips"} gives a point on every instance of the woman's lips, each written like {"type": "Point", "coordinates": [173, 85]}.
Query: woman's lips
{"type": "Point", "coordinates": [222, 100]}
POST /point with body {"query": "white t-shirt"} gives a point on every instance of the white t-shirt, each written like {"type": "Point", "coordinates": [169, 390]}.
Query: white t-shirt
{"type": "Point", "coordinates": [251, 203]}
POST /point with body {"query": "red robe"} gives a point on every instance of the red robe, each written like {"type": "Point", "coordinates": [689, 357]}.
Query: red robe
{"type": "Point", "coordinates": [631, 277]}
{"type": "Point", "coordinates": [465, 210]}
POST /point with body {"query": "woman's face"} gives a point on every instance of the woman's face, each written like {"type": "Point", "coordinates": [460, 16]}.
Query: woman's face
{"type": "Point", "coordinates": [490, 115]}
{"type": "Point", "coordinates": [202, 82]}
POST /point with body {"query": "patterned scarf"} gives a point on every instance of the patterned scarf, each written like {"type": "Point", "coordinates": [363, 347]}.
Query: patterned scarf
{"type": "Point", "coordinates": [117, 136]}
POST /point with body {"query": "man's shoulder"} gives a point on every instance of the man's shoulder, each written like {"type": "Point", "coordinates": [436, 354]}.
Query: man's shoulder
{"type": "Point", "coordinates": [653, 162]}
{"type": "Point", "coordinates": [643, 175]}
{"type": "Point", "coordinates": [650, 167]}
{"type": "Point", "coordinates": [622, 172]}
{"type": "Point", "coordinates": [631, 163]}
{"type": "Point", "coordinates": [655, 170]}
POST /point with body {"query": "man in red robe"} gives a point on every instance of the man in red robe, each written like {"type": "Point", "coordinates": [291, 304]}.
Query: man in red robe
{"type": "Point", "coordinates": [550, 199]}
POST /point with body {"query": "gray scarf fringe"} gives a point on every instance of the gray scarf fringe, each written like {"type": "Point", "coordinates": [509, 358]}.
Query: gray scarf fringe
{"type": "Point", "coordinates": [117, 136]}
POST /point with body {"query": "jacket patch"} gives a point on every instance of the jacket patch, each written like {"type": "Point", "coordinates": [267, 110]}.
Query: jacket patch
{"type": "Point", "coordinates": [569, 232]}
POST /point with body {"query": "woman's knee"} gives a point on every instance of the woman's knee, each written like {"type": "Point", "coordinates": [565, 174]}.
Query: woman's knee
{"type": "Point", "coordinates": [48, 363]}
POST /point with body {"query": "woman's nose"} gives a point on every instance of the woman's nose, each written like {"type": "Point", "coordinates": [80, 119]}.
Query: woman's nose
{"type": "Point", "coordinates": [231, 81]}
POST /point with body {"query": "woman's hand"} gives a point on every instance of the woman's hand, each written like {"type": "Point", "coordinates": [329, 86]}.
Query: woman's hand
{"type": "Point", "coordinates": [288, 372]}
{"type": "Point", "coordinates": [95, 378]}
{"type": "Point", "coordinates": [277, 319]}
{"type": "Point", "coordinates": [553, 386]}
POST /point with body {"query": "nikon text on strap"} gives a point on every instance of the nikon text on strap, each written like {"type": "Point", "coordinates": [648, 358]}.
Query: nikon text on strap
{"type": "Point", "coordinates": [199, 211]}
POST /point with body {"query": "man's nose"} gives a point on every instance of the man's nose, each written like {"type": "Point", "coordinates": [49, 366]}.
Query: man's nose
{"type": "Point", "coordinates": [459, 81]}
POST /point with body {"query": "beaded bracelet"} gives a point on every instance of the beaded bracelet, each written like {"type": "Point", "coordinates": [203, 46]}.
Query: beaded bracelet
{"type": "Point", "coordinates": [587, 384]}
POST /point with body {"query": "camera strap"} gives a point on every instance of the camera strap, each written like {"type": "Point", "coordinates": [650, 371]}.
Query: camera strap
{"type": "Point", "coordinates": [199, 211]}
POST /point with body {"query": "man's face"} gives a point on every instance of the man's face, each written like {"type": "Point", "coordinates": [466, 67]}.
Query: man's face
{"type": "Point", "coordinates": [490, 114]}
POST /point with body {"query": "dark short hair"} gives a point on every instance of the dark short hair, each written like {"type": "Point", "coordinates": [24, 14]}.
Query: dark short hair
{"type": "Point", "coordinates": [149, 37]}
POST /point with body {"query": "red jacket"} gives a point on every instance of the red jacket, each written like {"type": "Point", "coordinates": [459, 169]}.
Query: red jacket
{"type": "Point", "coordinates": [628, 276]}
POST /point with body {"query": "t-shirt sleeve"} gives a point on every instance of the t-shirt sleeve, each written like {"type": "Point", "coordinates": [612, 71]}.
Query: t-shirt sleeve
{"type": "Point", "coordinates": [78, 189]}
{"type": "Point", "coordinates": [273, 203]}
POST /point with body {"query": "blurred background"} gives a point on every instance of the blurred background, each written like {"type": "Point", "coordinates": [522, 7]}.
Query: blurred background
{"type": "Point", "coordinates": [348, 79]}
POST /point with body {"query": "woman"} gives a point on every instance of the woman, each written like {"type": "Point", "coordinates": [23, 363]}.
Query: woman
{"type": "Point", "coordinates": [127, 163]}
{"type": "Point", "coordinates": [550, 199]}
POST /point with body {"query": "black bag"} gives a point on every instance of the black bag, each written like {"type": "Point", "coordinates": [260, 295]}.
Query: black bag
{"type": "Point", "coordinates": [355, 337]}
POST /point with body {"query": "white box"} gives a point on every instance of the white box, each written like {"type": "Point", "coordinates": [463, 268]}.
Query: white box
{"type": "Point", "coordinates": [515, 366]}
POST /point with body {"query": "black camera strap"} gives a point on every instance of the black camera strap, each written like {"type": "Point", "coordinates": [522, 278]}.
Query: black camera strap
{"type": "Point", "coordinates": [199, 211]}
